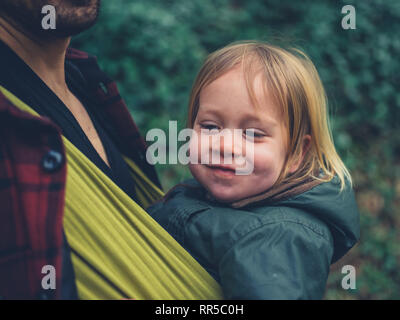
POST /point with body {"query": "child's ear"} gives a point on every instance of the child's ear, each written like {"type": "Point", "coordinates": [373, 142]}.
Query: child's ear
{"type": "Point", "coordinates": [306, 146]}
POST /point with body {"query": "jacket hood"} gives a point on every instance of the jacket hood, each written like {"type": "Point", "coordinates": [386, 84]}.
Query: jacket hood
{"type": "Point", "coordinates": [338, 209]}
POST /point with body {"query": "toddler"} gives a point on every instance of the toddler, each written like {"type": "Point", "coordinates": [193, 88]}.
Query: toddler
{"type": "Point", "coordinates": [273, 232]}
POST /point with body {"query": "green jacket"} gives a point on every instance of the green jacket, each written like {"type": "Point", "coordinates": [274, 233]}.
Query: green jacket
{"type": "Point", "coordinates": [278, 251]}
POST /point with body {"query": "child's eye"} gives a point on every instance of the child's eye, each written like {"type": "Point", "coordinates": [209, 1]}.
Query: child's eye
{"type": "Point", "coordinates": [249, 133]}
{"type": "Point", "coordinates": [212, 128]}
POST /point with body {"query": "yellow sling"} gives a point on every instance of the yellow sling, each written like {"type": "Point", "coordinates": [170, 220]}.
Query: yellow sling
{"type": "Point", "coordinates": [118, 250]}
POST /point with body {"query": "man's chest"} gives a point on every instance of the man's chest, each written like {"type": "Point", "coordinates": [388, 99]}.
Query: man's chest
{"type": "Point", "coordinates": [85, 122]}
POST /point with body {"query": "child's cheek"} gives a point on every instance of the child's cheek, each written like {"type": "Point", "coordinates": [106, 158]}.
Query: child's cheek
{"type": "Point", "coordinates": [195, 150]}
{"type": "Point", "coordinates": [264, 162]}
{"type": "Point", "coordinates": [204, 148]}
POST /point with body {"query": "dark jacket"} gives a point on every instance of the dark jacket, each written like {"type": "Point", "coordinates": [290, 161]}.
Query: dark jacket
{"type": "Point", "coordinates": [276, 251]}
{"type": "Point", "coordinates": [32, 182]}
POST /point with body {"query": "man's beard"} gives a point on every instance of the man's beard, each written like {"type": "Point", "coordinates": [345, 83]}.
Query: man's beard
{"type": "Point", "coordinates": [72, 16]}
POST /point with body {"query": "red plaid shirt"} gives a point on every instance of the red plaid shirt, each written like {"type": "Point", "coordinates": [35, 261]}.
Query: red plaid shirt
{"type": "Point", "coordinates": [32, 183]}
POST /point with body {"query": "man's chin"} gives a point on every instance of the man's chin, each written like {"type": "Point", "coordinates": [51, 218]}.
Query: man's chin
{"type": "Point", "coordinates": [66, 31]}
{"type": "Point", "coordinates": [76, 19]}
{"type": "Point", "coordinates": [72, 17]}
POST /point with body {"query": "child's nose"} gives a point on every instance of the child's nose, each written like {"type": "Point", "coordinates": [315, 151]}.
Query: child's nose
{"type": "Point", "coordinates": [229, 144]}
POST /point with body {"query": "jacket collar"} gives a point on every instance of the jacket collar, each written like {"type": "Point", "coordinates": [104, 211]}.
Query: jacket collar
{"type": "Point", "coordinates": [281, 192]}
{"type": "Point", "coordinates": [71, 54]}
{"type": "Point", "coordinates": [103, 90]}
{"type": "Point", "coordinates": [288, 189]}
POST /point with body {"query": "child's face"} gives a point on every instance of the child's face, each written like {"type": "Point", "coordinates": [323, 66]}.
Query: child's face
{"type": "Point", "coordinates": [225, 104]}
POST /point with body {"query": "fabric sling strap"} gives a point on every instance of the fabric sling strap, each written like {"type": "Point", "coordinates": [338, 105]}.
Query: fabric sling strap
{"type": "Point", "coordinates": [118, 251]}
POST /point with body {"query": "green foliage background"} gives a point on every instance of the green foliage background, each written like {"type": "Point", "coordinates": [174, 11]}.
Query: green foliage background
{"type": "Point", "coordinates": [153, 49]}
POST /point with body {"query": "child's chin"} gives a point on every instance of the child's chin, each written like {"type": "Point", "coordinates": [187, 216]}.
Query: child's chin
{"type": "Point", "coordinates": [224, 195]}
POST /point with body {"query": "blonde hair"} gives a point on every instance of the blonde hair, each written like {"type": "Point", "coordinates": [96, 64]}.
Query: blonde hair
{"type": "Point", "coordinates": [292, 79]}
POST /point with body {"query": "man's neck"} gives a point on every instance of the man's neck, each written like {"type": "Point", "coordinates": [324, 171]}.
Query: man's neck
{"type": "Point", "coordinates": [45, 57]}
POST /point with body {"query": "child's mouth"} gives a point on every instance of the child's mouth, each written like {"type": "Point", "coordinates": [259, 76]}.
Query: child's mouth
{"type": "Point", "coordinates": [222, 171]}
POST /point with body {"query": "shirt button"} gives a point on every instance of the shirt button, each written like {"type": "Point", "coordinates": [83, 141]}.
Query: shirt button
{"type": "Point", "coordinates": [52, 161]}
